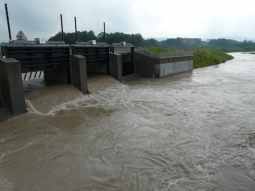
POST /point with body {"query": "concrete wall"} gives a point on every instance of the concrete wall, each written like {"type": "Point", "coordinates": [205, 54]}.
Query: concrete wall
{"type": "Point", "coordinates": [155, 67]}
{"type": "Point", "coordinates": [115, 66]}
{"type": "Point", "coordinates": [167, 69]}
{"type": "Point", "coordinates": [145, 65]}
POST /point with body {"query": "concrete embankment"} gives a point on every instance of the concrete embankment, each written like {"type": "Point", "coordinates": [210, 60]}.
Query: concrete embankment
{"type": "Point", "coordinates": [157, 67]}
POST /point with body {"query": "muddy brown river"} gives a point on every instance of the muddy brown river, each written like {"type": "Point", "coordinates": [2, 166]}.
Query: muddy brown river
{"type": "Point", "coordinates": [191, 132]}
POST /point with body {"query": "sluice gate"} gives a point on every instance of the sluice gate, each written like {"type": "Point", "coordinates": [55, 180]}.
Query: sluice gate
{"type": "Point", "coordinates": [127, 64]}
{"type": "Point", "coordinates": [57, 63]}
{"type": "Point", "coordinates": [23, 62]}
{"type": "Point", "coordinates": [38, 57]}
{"type": "Point", "coordinates": [97, 56]}
{"type": "Point", "coordinates": [39, 61]}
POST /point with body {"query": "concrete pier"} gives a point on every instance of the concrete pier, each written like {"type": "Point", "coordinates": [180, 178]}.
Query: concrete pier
{"type": "Point", "coordinates": [78, 73]}
{"type": "Point", "coordinates": [126, 52]}
{"type": "Point", "coordinates": [11, 86]}
{"type": "Point", "coordinates": [116, 66]}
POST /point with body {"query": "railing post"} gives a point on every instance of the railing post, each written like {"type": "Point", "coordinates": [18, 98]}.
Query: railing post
{"type": "Point", "coordinates": [104, 32]}
{"type": "Point", "coordinates": [8, 21]}
{"type": "Point", "coordinates": [62, 27]}
{"type": "Point", "coordinates": [75, 26]}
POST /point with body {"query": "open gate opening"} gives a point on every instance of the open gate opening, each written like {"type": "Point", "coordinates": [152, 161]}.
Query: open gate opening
{"type": "Point", "coordinates": [128, 67]}
{"type": "Point", "coordinates": [1, 101]}
{"type": "Point", "coordinates": [122, 61]}
{"type": "Point", "coordinates": [96, 54]}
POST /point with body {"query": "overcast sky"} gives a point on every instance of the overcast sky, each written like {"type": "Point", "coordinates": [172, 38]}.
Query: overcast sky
{"type": "Point", "coordinates": [152, 18]}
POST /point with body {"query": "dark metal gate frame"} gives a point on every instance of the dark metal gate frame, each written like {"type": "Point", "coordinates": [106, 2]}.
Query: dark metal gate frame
{"type": "Point", "coordinates": [37, 57]}
{"type": "Point", "coordinates": [96, 55]}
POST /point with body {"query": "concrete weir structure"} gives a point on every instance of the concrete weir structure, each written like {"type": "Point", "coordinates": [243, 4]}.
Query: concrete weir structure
{"type": "Point", "coordinates": [59, 63]}
{"type": "Point", "coordinates": [72, 64]}
{"type": "Point", "coordinates": [54, 60]}
{"type": "Point", "coordinates": [157, 67]}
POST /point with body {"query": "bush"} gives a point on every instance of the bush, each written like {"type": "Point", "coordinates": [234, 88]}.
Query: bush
{"type": "Point", "coordinates": [202, 56]}
{"type": "Point", "coordinates": [164, 52]}
{"type": "Point", "coordinates": [205, 57]}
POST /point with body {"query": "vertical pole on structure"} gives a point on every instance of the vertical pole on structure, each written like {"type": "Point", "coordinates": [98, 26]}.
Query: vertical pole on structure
{"type": "Point", "coordinates": [104, 31]}
{"type": "Point", "coordinates": [133, 58]}
{"type": "Point", "coordinates": [8, 21]}
{"type": "Point", "coordinates": [62, 28]}
{"type": "Point", "coordinates": [75, 26]}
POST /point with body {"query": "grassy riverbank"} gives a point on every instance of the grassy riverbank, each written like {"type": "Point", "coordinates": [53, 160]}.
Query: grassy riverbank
{"type": "Point", "coordinates": [202, 56]}
{"type": "Point", "coordinates": [164, 52]}
{"type": "Point", "coordinates": [206, 57]}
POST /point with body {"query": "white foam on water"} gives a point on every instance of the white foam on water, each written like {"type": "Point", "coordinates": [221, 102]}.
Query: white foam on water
{"type": "Point", "coordinates": [112, 96]}
{"type": "Point", "coordinates": [5, 184]}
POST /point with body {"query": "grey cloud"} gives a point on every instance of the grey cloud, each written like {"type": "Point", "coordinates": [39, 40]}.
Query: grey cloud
{"type": "Point", "coordinates": [161, 18]}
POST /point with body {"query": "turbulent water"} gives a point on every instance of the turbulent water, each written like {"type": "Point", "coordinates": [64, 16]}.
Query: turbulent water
{"type": "Point", "coordinates": [189, 132]}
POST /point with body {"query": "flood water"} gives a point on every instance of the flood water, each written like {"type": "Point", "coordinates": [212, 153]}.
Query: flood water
{"type": "Point", "coordinates": [189, 132]}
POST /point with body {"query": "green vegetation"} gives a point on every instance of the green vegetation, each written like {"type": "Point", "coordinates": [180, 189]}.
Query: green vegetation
{"type": "Point", "coordinates": [226, 45]}
{"type": "Point", "coordinates": [202, 56]}
{"type": "Point", "coordinates": [205, 57]}
{"type": "Point", "coordinates": [164, 52]}
{"type": "Point", "coordinates": [84, 36]}
{"type": "Point", "coordinates": [205, 53]}
{"type": "Point", "coordinates": [158, 51]}
{"type": "Point", "coordinates": [70, 37]}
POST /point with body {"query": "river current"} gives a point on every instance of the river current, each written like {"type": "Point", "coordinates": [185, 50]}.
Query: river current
{"type": "Point", "coordinates": [188, 132]}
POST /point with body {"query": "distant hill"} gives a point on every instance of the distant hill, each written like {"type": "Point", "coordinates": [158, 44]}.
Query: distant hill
{"type": "Point", "coordinates": [231, 45]}
{"type": "Point", "coordinates": [182, 43]}
{"type": "Point", "coordinates": [179, 43]}
{"type": "Point", "coordinates": [226, 45]}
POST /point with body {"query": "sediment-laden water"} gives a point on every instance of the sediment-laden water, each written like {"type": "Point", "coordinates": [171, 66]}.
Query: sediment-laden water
{"type": "Point", "coordinates": [188, 132]}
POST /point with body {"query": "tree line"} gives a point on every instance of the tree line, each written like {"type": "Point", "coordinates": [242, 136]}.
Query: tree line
{"type": "Point", "coordinates": [139, 41]}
